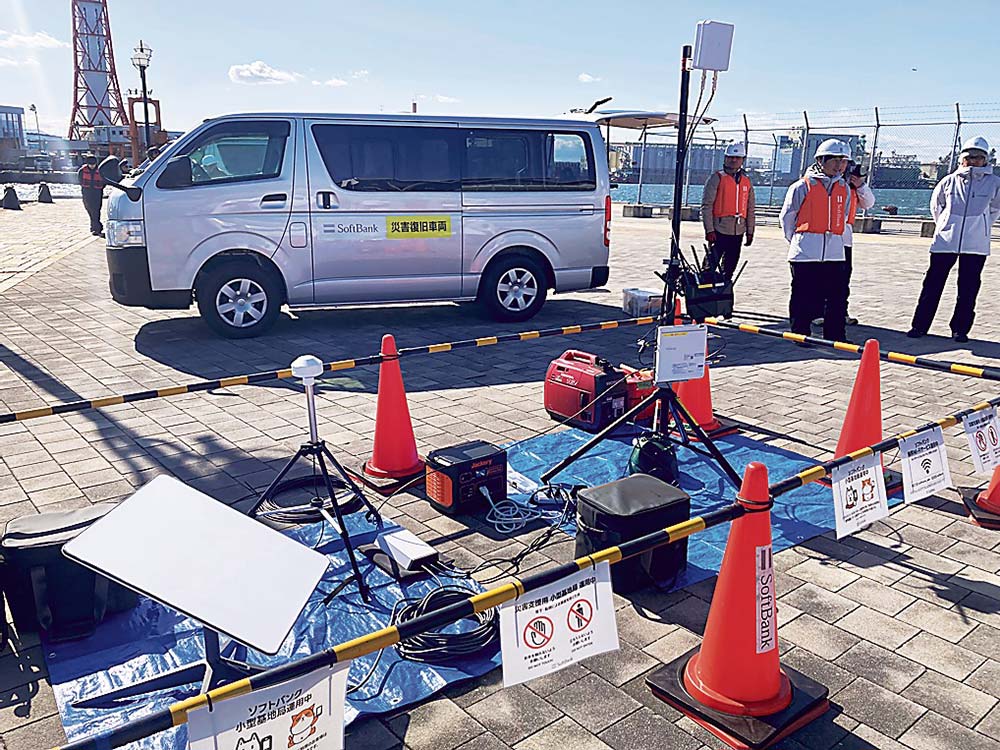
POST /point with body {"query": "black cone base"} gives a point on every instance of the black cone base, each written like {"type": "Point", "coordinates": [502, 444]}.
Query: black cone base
{"type": "Point", "coordinates": [726, 427]}
{"type": "Point", "coordinates": [979, 516]}
{"type": "Point", "coordinates": [809, 701]}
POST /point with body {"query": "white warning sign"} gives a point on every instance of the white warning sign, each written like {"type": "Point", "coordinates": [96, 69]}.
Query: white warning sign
{"type": "Point", "coordinates": [859, 494]}
{"type": "Point", "coordinates": [983, 432]}
{"type": "Point", "coordinates": [767, 628]}
{"type": "Point", "coordinates": [558, 625]}
{"type": "Point", "coordinates": [680, 353]}
{"type": "Point", "coordinates": [925, 464]}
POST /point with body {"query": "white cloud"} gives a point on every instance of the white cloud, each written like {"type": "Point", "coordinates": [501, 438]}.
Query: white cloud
{"type": "Point", "coordinates": [441, 98]}
{"type": "Point", "coordinates": [587, 78]}
{"type": "Point", "coordinates": [38, 40]}
{"type": "Point", "coordinates": [359, 75]}
{"type": "Point", "coordinates": [334, 82]}
{"type": "Point", "coordinates": [259, 72]}
{"type": "Point", "coordinates": [8, 62]}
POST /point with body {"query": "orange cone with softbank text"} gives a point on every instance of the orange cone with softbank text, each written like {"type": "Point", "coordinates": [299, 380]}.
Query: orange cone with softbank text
{"type": "Point", "coordinates": [984, 507]}
{"type": "Point", "coordinates": [733, 685]}
{"type": "Point", "coordinates": [395, 453]}
{"type": "Point", "coordinates": [696, 395]}
{"type": "Point", "coordinates": [863, 422]}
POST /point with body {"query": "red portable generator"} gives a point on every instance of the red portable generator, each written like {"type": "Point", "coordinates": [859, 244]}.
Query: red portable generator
{"type": "Point", "coordinates": [640, 385]}
{"type": "Point", "coordinates": [575, 386]}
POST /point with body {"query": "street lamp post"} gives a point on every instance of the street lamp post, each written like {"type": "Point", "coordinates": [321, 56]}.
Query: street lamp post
{"type": "Point", "coordinates": [140, 59]}
{"type": "Point", "coordinates": [38, 130]}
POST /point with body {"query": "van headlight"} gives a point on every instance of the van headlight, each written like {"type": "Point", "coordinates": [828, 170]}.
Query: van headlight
{"type": "Point", "coordinates": [126, 233]}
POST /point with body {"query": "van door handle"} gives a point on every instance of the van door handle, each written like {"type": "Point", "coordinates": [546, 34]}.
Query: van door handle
{"type": "Point", "coordinates": [273, 200]}
{"type": "Point", "coordinates": [326, 199]}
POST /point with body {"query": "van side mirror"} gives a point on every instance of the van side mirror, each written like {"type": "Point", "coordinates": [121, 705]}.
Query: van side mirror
{"type": "Point", "coordinates": [110, 170]}
{"type": "Point", "coordinates": [176, 174]}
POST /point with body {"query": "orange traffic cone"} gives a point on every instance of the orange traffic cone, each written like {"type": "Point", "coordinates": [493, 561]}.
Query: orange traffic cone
{"type": "Point", "coordinates": [733, 684]}
{"type": "Point", "coordinates": [984, 507]}
{"type": "Point", "coordinates": [863, 422]}
{"type": "Point", "coordinates": [395, 452]}
{"type": "Point", "coordinates": [678, 315]}
{"type": "Point", "coordinates": [696, 395]}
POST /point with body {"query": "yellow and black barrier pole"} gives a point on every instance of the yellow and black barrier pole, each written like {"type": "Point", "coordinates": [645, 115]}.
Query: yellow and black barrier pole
{"type": "Point", "coordinates": [819, 471]}
{"type": "Point", "coordinates": [336, 366]}
{"type": "Point", "coordinates": [955, 368]}
{"type": "Point", "coordinates": [177, 714]}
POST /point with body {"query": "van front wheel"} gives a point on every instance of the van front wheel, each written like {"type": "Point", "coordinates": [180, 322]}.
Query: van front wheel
{"type": "Point", "coordinates": [238, 299]}
{"type": "Point", "coordinates": [513, 288]}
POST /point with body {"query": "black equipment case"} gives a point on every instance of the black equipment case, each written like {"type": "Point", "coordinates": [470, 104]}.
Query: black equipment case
{"type": "Point", "coordinates": [627, 509]}
{"type": "Point", "coordinates": [47, 592]}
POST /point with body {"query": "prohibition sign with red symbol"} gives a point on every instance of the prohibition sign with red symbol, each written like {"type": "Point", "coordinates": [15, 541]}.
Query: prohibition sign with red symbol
{"type": "Point", "coordinates": [993, 436]}
{"type": "Point", "coordinates": [581, 612]}
{"type": "Point", "coordinates": [538, 632]}
{"type": "Point", "coordinates": [980, 440]}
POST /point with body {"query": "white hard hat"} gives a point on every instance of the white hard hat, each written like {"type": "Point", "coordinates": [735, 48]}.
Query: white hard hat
{"type": "Point", "coordinates": [736, 149]}
{"type": "Point", "coordinates": [976, 144]}
{"type": "Point", "coordinates": [832, 147]}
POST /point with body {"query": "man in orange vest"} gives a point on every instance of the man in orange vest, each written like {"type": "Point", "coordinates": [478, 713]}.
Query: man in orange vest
{"type": "Point", "coordinates": [92, 188]}
{"type": "Point", "coordinates": [813, 218]}
{"type": "Point", "coordinates": [728, 211]}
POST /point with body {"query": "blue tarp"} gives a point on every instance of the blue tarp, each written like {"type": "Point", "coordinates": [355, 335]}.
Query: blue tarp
{"type": "Point", "coordinates": [153, 639]}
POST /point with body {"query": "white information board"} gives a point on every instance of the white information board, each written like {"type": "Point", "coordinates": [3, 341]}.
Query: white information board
{"type": "Point", "coordinates": [306, 713]}
{"type": "Point", "coordinates": [859, 497]}
{"type": "Point", "coordinates": [925, 464]}
{"type": "Point", "coordinates": [983, 433]}
{"type": "Point", "coordinates": [680, 353]}
{"type": "Point", "coordinates": [558, 625]}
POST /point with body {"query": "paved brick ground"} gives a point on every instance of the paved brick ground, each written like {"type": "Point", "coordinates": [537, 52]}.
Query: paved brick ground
{"type": "Point", "coordinates": [901, 622]}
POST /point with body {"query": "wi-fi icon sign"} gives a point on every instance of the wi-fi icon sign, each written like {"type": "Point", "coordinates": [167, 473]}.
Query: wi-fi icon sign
{"type": "Point", "coordinates": [927, 465]}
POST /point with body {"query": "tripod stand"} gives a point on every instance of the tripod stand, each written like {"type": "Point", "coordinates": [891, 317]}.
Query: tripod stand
{"type": "Point", "coordinates": [309, 368]}
{"type": "Point", "coordinates": [669, 403]}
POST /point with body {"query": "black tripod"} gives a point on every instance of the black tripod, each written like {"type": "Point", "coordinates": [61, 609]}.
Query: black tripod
{"type": "Point", "coordinates": [669, 403]}
{"type": "Point", "coordinates": [316, 451]}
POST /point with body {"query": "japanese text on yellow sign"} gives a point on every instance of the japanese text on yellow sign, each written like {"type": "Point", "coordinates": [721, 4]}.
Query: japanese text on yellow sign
{"type": "Point", "coordinates": [417, 227]}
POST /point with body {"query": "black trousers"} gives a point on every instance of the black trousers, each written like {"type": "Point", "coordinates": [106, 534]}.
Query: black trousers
{"type": "Point", "coordinates": [819, 290]}
{"type": "Point", "coordinates": [726, 246]}
{"type": "Point", "coordinates": [93, 199]}
{"type": "Point", "coordinates": [970, 270]}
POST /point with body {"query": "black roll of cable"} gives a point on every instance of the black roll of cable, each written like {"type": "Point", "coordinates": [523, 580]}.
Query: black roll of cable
{"type": "Point", "coordinates": [443, 647]}
{"type": "Point", "coordinates": [305, 512]}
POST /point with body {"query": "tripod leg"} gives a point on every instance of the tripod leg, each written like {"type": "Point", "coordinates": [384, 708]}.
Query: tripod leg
{"type": "Point", "coordinates": [372, 514]}
{"type": "Point", "coordinates": [344, 534]}
{"type": "Point", "coordinates": [277, 480]}
{"type": "Point", "coordinates": [727, 467]}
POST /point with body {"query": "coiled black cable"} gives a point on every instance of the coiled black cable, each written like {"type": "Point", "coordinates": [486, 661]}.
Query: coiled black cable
{"type": "Point", "coordinates": [442, 647]}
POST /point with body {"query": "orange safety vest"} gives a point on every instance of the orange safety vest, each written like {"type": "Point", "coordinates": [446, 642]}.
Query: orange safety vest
{"type": "Point", "coordinates": [852, 211]}
{"type": "Point", "coordinates": [821, 211]}
{"type": "Point", "coordinates": [90, 177]}
{"type": "Point", "coordinates": [732, 199]}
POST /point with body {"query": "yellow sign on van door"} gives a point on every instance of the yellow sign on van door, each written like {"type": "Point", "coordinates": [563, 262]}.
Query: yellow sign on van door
{"type": "Point", "coordinates": [417, 227]}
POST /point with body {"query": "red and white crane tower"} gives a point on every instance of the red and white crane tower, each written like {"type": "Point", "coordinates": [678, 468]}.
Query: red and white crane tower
{"type": "Point", "coordinates": [97, 98]}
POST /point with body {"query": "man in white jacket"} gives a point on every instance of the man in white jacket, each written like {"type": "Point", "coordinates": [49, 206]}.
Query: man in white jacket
{"type": "Point", "coordinates": [965, 204]}
{"type": "Point", "coordinates": [813, 218]}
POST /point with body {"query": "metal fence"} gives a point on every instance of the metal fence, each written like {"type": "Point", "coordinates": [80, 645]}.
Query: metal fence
{"type": "Point", "coordinates": [904, 150]}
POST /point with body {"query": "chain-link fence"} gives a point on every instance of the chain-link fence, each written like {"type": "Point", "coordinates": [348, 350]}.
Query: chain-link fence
{"type": "Point", "coordinates": [904, 150]}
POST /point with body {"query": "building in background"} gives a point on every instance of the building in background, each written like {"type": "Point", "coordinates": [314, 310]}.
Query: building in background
{"type": "Point", "coordinates": [12, 141]}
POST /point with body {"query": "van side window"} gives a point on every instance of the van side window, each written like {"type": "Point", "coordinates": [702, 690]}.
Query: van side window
{"type": "Point", "coordinates": [519, 160]}
{"type": "Point", "coordinates": [238, 151]}
{"type": "Point", "coordinates": [386, 158]}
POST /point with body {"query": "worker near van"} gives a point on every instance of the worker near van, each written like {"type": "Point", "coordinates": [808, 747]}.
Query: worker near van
{"type": "Point", "coordinates": [728, 211]}
{"type": "Point", "coordinates": [965, 204]}
{"type": "Point", "coordinates": [813, 219]}
{"type": "Point", "coordinates": [92, 190]}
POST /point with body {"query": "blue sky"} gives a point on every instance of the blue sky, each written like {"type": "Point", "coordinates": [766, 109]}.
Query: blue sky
{"type": "Point", "coordinates": [531, 57]}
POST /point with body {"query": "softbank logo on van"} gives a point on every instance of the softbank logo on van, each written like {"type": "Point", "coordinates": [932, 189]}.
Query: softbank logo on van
{"type": "Point", "coordinates": [353, 230]}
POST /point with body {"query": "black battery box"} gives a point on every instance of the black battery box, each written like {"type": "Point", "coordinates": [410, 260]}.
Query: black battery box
{"type": "Point", "coordinates": [626, 509]}
{"type": "Point", "coordinates": [582, 390]}
{"type": "Point", "coordinates": [456, 474]}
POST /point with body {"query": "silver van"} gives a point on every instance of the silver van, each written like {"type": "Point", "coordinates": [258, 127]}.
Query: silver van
{"type": "Point", "coordinates": [249, 212]}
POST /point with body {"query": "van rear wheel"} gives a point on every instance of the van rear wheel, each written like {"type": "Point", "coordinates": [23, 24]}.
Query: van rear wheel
{"type": "Point", "coordinates": [513, 288]}
{"type": "Point", "coordinates": [238, 299]}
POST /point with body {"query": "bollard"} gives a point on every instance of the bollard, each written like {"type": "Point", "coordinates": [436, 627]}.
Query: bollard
{"type": "Point", "coordinates": [10, 199]}
{"type": "Point", "coordinates": [44, 194]}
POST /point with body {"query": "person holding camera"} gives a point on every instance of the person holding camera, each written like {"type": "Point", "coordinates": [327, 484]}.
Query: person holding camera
{"type": "Point", "coordinates": [965, 205]}
{"type": "Point", "coordinates": [92, 192]}
{"type": "Point", "coordinates": [861, 196]}
{"type": "Point", "coordinates": [728, 212]}
{"type": "Point", "coordinates": [813, 219]}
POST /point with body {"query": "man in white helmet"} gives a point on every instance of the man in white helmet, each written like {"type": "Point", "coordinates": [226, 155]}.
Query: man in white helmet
{"type": "Point", "coordinates": [813, 218]}
{"type": "Point", "coordinates": [728, 211]}
{"type": "Point", "coordinates": [965, 204]}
